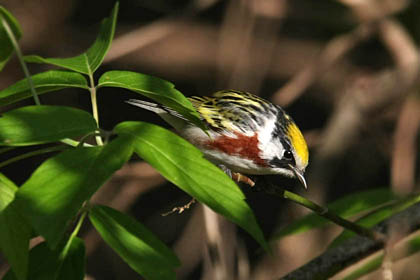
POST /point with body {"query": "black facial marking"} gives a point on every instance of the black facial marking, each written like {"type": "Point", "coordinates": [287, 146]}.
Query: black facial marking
{"type": "Point", "coordinates": [285, 161]}
{"type": "Point", "coordinates": [276, 162]}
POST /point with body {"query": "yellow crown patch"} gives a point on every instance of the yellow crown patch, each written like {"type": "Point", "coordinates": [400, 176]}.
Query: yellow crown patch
{"type": "Point", "coordinates": [298, 142]}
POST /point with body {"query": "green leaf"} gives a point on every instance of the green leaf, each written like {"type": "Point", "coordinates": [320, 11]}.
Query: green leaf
{"type": "Point", "coordinates": [73, 267]}
{"type": "Point", "coordinates": [7, 191]}
{"type": "Point", "coordinates": [89, 61]}
{"type": "Point", "coordinates": [344, 207]}
{"type": "Point", "coordinates": [377, 216]}
{"type": "Point", "coordinates": [43, 82]}
{"type": "Point", "coordinates": [15, 232]}
{"type": "Point", "coordinates": [55, 192]}
{"type": "Point", "coordinates": [7, 47]}
{"type": "Point", "coordinates": [183, 164]}
{"type": "Point", "coordinates": [32, 125]}
{"type": "Point", "coordinates": [44, 264]}
{"type": "Point", "coordinates": [154, 88]}
{"type": "Point", "coordinates": [136, 245]}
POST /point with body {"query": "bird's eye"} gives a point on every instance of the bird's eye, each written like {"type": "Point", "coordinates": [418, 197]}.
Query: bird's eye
{"type": "Point", "coordinates": [288, 155]}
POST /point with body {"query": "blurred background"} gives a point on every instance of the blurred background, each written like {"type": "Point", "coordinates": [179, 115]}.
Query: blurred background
{"type": "Point", "coordinates": [345, 70]}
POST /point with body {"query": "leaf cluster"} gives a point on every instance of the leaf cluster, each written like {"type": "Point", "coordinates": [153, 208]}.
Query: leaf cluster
{"type": "Point", "coordinates": [55, 199]}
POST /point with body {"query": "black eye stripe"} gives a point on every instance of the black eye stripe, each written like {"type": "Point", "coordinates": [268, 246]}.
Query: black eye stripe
{"type": "Point", "coordinates": [276, 162]}
{"type": "Point", "coordinates": [287, 158]}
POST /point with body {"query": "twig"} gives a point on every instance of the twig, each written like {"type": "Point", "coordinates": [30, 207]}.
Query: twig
{"type": "Point", "coordinates": [20, 58]}
{"type": "Point", "coordinates": [335, 259]}
{"type": "Point", "coordinates": [31, 154]}
{"type": "Point", "coordinates": [323, 212]}
{"type": "Point", "coordinates": [405, 248]}
{"type": "Point", "coordinates": [180, 209]}
{"type": "Point", "coordinates": [94, 103]}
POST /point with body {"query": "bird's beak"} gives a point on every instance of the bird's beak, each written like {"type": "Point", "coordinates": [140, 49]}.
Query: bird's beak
{"type": "Point", "coordinates": [299, 175]}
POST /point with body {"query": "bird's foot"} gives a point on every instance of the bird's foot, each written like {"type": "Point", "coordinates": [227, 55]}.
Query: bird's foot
{"type": "Point", "coordinates": [238, 177]}
{"type": "Point", "coordinates": [180, 209]}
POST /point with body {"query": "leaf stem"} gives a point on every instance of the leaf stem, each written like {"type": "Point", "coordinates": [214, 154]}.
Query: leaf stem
{"type": "Point", "coordinates": [32, 87]}
{"type": "Point", "coordinates": [324, 212]}
{"type": "Point", "coordinates": [73, 235]}
{"type": "Point", "coordinates": [92, 90]}
{"type": "Point", "coordinates": [20, 58]}
{"type": "Point", "coordinates": [6, 149]}
{"type": "Point", "coordinates": [31, 154]}
{"type": "Point", "coordinates": [66, 248]}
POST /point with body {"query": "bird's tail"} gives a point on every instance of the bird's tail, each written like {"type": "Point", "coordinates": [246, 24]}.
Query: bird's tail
{"type": "Point", "coordinates": [158, 109]}
{"type": "Point", "coordinates": [169, 115]}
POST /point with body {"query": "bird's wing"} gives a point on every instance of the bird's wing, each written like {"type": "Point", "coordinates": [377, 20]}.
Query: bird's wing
{"type": "Point", "coordinates": [231, 110]}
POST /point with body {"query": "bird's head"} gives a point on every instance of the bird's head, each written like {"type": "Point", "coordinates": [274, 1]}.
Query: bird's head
{"type": "Point", "coordinates": [286, 151]}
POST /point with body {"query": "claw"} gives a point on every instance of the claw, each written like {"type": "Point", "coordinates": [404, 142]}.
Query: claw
{"type": "Point", "coordinates": [180, 209]}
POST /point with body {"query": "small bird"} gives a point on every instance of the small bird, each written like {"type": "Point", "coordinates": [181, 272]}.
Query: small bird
{"type": "Point", "coordinates": [246, 134]}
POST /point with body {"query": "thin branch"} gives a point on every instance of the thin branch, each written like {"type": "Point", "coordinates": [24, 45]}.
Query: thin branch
{"type": "Point", "coordinates": [405, 248]}
{"type": "Point", "coordinates": [335, 259]}
{"type": "Point", "coordinates": [94, 102]}
{"type": "Point", "coordinates": [6, 149]}
{"type": "Point", "coordinates": [73, 235]}
{"type": "Point", "coordinates": [20, 58]}
{"type": "Point", "coordinates": [323, 212]}
{"type": "Point", "coordinates": [31, 154]}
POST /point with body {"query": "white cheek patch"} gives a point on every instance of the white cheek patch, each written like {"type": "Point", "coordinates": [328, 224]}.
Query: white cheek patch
{"type": "Point", "coordinates": [269, 148]}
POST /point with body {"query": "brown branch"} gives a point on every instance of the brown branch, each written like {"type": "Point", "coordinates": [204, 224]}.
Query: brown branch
{"type": "Point", "coordinates": [335, 259]}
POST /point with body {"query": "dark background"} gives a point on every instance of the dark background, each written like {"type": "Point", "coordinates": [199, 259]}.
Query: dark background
{"type": "Point", "coordinates": [346, 71]}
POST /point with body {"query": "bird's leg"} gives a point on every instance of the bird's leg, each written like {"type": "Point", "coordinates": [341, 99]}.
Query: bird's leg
{"type": "Point", "coordinates": [180, 209]}
{"type": "Point", "coordinates": [238, 177]}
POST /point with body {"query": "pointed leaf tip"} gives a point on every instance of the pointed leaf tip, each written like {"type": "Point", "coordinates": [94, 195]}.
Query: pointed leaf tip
{"type": "Point", "coordinates": [89, 61]}
{"type": "Point", "coordinates": [135, 244]}
{"type": "Point", "coordinates": [7, 48]}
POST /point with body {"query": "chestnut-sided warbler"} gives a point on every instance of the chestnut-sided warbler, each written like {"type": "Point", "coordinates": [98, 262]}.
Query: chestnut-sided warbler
{"type": "Point", "coordinates": [246, 134]}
